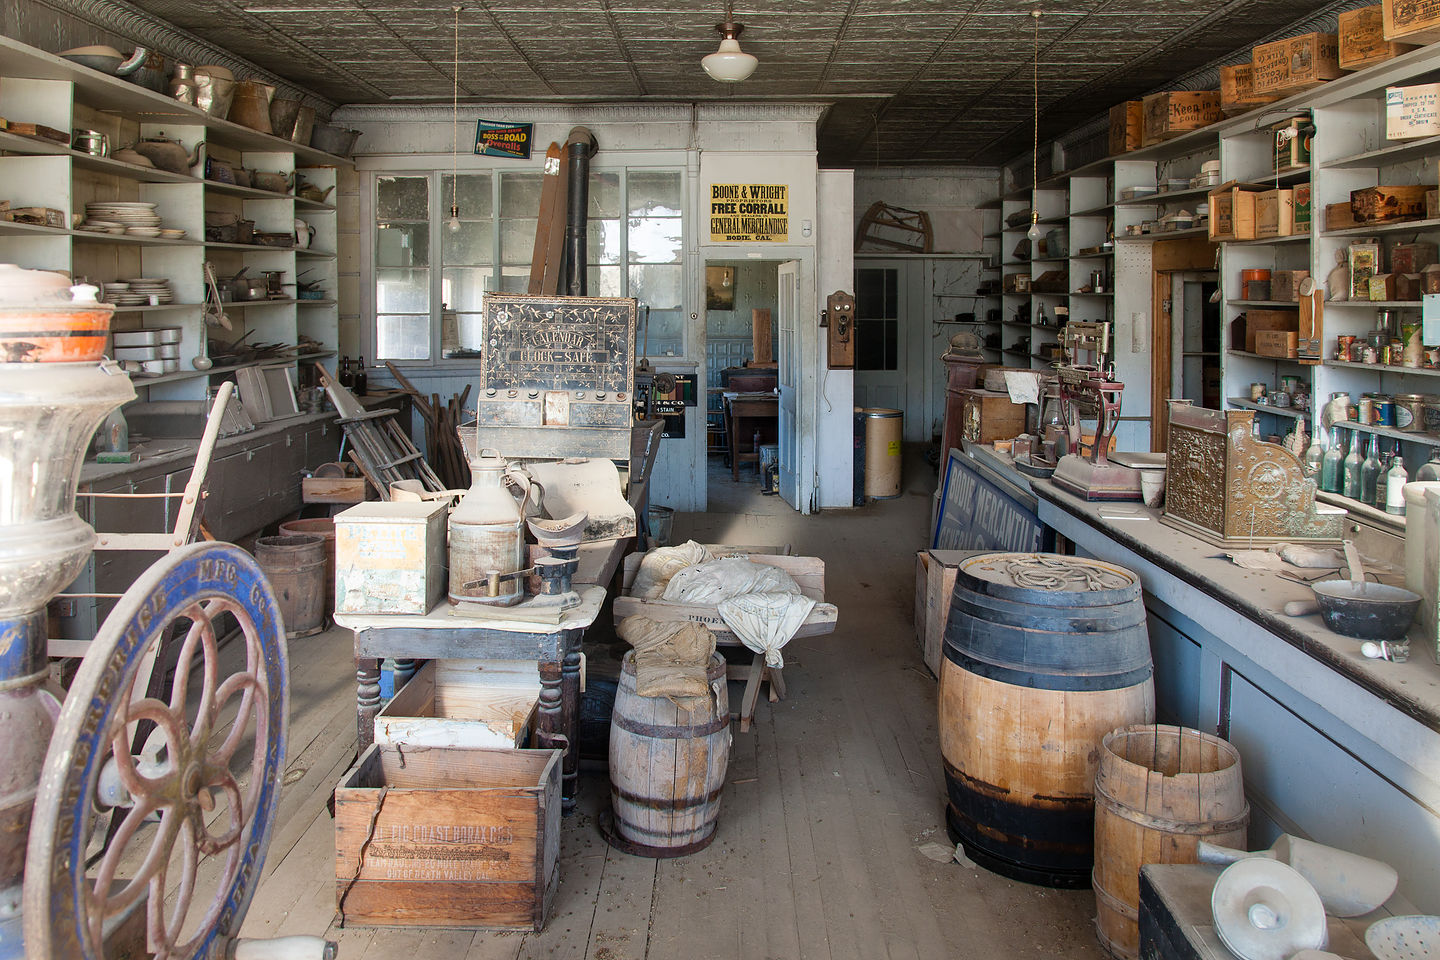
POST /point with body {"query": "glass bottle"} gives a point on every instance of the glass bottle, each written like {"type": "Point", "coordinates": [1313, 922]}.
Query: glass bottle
{"type": "Point", "coordinates": [1351, 484]}
{"type": "Point", "coordinates": [1386, 459]}
{"type": "Point", "coordinates": [1430, 469]}
{"type": "Point", "coordinates": [1370, 471]}
{"type": "Point", "coordinates": [345, 378]}
{"type": "Point", "coordinates": [359, 378]}
{"type": "Point", "coordinates": [1313, 455]}
{"type": "Point", "coordinates": [1395, 482]}
{"type": "Point", "coordinates": [1331, 472]}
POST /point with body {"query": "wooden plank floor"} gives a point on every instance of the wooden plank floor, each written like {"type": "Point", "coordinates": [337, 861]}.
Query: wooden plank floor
{"type": "Point", "coordinates": [828, 800]}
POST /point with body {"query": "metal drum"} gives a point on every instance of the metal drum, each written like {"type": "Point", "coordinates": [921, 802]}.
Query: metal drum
{"type": "Point", "coordinates": [1044, 656]}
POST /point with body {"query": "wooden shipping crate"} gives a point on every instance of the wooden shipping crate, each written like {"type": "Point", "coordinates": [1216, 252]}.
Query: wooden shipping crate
{"type": "Point", "coordinates": [989, 416]}
{"type": "Point", "coordinates": [1296, 63]}
{"type": "Point", "coordinates": [1339, 216]}
{"type": "Point", "coordinates": [944, 566]}
{"type": "Point", "coordinates": [1285, 284]}
{"type": "Point", "coordinates": [1237, 90]}
{"type": "Point", "coordinates": [463, 703]}
{"type": "Point", "coordinates": [1277, 343]}
{"type": "Point", "coordinates": [1260, 321]}
{"type": "Point", "coordinates": [1275, 215]}
{"type": "Point", "coordinates": [1362, 39]}
{"type": "Point", "coordinates": [922, 587]}
{"type": "Point", "coordinates": [1168, 115]}
{"type": "Point", "coordinates": [1232, 211]}
{"type": "Point", "coordinates": [1388, 204]}
{"type": "Point", "coordinates": [461, 838]}
{"type": "Point", "coordinates": [1413, 21]}
{"type": "Point", "coordinates": [390, 557]}
{"type": "Point", "coordinates": [1412, 111]}
{"type": "Point", "coordinates": [1126, 125]}
{"type": "Point", "coordinates": [335, 490]}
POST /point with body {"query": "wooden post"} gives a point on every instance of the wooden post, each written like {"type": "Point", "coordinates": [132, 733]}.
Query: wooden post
{"type": "Point", "coordinates": [760, 336]}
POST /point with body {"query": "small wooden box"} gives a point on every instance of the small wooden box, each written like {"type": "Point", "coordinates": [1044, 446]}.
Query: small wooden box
{"type": "Point", "coordinates": [1167, 115]}
{"type": "Point", "coordinates": [1232, 211]}
{"type": "Point", "coordinates": [1339, 216]}
{"type": "Point", "coordinates": [990, 416]}
{"type": "Point", "coordinates": [1278, 343]}
{"type": "Point", "coordinates": [1296, 63]}
{"type": "Point", "coordinates": [335, 490]}
{"type": "Point", "coordinates": [1414, 21]}
{"type": "Point", "coordinates": [462, 838]}
{"type": "Point", "coordinates": [1274, 214]}
{"type": "Point", "coordinates": [1126, 127]}
{"type": "Point", "coordinates": [1264, 321]}
{"type": "Point", "coordinates": [1237, 90]}
{"type": "Point", "coordinates": [1285, 284]}
{"type": "Point", "coordinates": [1362, 39]}
{"type": "Point", "coordinates": [1407, 286]}
{"type": "Point", "coordinates": [1413, 257]}
{"type": "Point", "coordinates": [463, 703]}
{"type": "Point", "coordinates": [1017, 283]}
{"type": "Point", "coordinates": [1304, 210]}
{"type": "Point", "coordinates": [1388, 204]}
{"type": "Point", "coordinates": [390, 557]}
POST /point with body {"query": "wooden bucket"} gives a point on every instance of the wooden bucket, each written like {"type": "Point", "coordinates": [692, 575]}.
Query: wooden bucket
{"type": "Point", "coordinates": [667, 767]}
{"type": "Point", "coordinates": [295, 567]}
{"type": "Point", "coordinates": [883, 430]}
{"type": "Point", "coordinates": [324, 528]}
{"type": "Point", "coordinates": [1044, 655]}
{"type": "Point", "coordinates": [1159, 791]}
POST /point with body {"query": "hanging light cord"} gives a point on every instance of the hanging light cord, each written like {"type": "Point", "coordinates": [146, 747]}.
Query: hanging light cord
{"type": "Point", "coordinates": [455, 125]}
{"type": "Point", "coordinates": [1035, 109]}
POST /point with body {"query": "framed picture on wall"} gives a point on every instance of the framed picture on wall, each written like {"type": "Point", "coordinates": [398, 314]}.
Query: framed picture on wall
{"type": "Point", "coordinates": [719, 288]}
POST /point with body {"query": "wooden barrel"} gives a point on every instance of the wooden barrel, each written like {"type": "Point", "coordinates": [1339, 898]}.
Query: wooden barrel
{"type": "Point", "coordinates": [667, 766]}
{"type": "Point", "coordinates": [883, 430]}
{"type": "Point", "coordinates": [1044, 655]}
{"type": "Point", "coordinates": [295, 567]}
{"type": "Point", "coordinates": [1160, 790]}
{"type": "Point", "coordinates": [324, 528]}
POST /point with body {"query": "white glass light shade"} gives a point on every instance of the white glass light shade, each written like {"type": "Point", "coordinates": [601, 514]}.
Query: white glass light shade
{"type": "Point", "coordinates": [729, 64]}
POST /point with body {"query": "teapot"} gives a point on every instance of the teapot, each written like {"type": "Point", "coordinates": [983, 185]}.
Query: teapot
{"type": "Point", "coordinates": [304, 234]}
{"type": "Point", "coordinates": [306, 190]}
{"type": "Point", "coordinates": [167, 154]}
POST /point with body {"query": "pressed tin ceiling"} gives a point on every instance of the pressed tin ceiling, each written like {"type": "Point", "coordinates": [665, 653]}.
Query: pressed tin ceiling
{"type": "Point", "coordinates": [911, 81]}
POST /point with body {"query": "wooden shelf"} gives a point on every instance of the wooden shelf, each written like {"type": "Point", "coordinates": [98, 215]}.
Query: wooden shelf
{"type": "Point", "coordinates": [1165, 196]}
{"type": "Point", "coordinates": [1377, 368]}
{"type": "Point", "coordinates": [88, 236]}
{"type": "Point", "coordinates": [1265, 303]}
{"type": "Point", "coordinates": [35, 146]}
{"type": "Point", "coordinates": [1429, 439]}
{"type": "Point", "coordinates": [1395, 153]}
{"type": "Point", "coordinates": [1258, 356]}
{"type": "Point", "coordinates": [192, 374]}
{"type": "Point", "coordinates": [1373, 304]}
{"type": "Point", "coordinates": [1104, 211]}
{"type": "Point", "coordinates": [1404, 225]}
{"type": "Point", "coordinates": [1268, 241]}
{"type": "Point", "coordinates": [1165, 235]}
{"type": "Point", "coordinates": [146, 308]}
{"type": "Point", "coordinates": [1106, 255]}
{"type": "Point", "coordinates": [1290, 412]}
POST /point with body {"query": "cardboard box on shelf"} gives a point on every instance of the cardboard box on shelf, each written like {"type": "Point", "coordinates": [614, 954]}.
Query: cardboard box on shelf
{"type": "Point", "coordinates": [1362, 39]}
{"type": "Point", "coordinates": [1412, 111]}
{"type": "Point", "coordinates": [1304, 212]}
{"type": "Point", "coordinates": [1285, 284]}
{"type": "Point", "coordinates": [1408, 286]}
{"type": "Point", "coordinates": [1259, 321]}
{"type": "Point", "coordinates": [1382, 286]}
{"type": "Point", "coordinates": [1172, 113]}
{"type": "Point", "coordinates": [1296, 63]}
{"type": "Point", "coordinates": [1232, 211]}
{"type": "Point", "coordinates": [1237, 90]}
{"type": "Point", "coordinates": [1126, 126]}
{"type": "Point", "coordinates": [1274, 214]}
{"type": "Point", "coordinates": [1410, 21]}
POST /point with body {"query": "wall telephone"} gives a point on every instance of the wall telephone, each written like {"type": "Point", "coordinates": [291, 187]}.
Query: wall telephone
{"type": "Point", "coordinates": [839, 318]}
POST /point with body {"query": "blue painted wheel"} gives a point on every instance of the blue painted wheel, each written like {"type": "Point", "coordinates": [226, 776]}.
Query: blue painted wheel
{"type": "Point", "coordinates": [197, 803]}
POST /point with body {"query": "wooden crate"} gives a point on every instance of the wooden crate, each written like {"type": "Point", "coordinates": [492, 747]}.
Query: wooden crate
{"type": "Point", "coordinates": [1237, 90]}
{"type": "Point", "coordinates": [1362, 39]}
{"type": "Point", "coordinates": [335, 490]}
{"type": "Point", "coordinates": [1339, 216]}
{"type": "Point", "coordinates": [1260, 321]}
{"type": "Point", "coordinates": [463, 703]}
{"type": "Point", "coordinates": [922, 586]}
{"type": "Point", "coordinates": [1412, 111]}
{"type": "Point", "coordinates": [1126, 125]}
{"type": "Point", "coordinates": [1277, 343]}
{"type": "Point", "coordinates": [1275, 214]}
{"type": "Point", "coordinates": [390, 557]}
{"type": "Point", "coordinates": [944, 566]}
{"type": "Point", "coordinates": [1168, 115]}
{"type": "Point", "coordinates": [1232, 211]}
{"type": "Point", "coordinates": [1413, 21]}
{"type": "Point", "coordinates": [1388, 203]}
{"type": "Point", "coordinates": [989, 415]}
{"type": "Point", "coordinates": [461, 838]}
{"type": "Point", "coordinates": [1296, 63]}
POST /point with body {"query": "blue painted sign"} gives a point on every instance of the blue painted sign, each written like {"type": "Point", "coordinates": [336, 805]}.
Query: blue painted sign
{"type": "Point", "coordinates": [980, 512]}
{"type": "Point", "coordinates": [511, 140]}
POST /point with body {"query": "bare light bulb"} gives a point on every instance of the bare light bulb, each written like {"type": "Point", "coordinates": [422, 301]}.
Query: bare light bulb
{"type": "Point", "coordinates": [1034, 233]}
{"type": "Point", "coordinates": [454, 222]}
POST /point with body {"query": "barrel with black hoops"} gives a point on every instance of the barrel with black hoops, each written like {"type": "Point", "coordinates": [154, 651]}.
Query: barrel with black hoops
{"type": "Point", "coordinates": [1044, 655]}
{"type": "Point", "coordinates": [667, 767]}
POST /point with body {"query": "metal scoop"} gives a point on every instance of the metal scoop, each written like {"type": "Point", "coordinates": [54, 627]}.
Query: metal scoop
{"type": "Point", "coordinates": [1349, 885]}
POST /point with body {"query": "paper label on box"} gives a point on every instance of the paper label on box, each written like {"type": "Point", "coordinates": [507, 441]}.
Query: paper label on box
{"type": "Point", "coordinates": [1430, 318]}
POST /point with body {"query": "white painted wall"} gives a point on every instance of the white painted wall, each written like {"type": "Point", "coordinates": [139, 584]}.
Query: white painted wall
{"type": "Point", "coordinates": [835, 398]}
{"type": "Point", "coordinates": [950, 195]}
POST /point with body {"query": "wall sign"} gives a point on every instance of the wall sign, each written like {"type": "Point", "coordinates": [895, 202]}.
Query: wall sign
{"type": "Point", "coordinates": [510, 140]}
{"type": "Point", "coordinates": [978, 513]}
{"type": "Point", "coordinates": [749, 213]}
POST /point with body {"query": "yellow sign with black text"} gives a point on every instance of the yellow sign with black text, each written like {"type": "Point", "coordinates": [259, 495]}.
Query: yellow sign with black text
{"type": "Point", "coordinates": [749, 213]}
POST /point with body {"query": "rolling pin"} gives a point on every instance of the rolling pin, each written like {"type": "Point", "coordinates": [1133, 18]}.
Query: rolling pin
{"type": "Point", "coordinates": [1301, 608]}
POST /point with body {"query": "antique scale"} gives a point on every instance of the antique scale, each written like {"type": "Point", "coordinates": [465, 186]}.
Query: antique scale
{"type": "Point", "coordinates": [190, 813]}
{"type": "Point", "coordinates": [1091, 384]}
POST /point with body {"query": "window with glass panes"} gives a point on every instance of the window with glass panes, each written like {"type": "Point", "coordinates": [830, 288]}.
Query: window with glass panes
{"type": "Point", "coordinates": [634, 250]}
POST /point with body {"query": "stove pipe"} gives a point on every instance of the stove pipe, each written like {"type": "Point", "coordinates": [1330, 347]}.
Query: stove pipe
{"type": "Point", "coordinates": [580, 146]}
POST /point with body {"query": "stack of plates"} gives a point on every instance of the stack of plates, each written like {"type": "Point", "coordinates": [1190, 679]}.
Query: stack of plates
{"type": "Point", "coordinates": [137, 217]}
{"type": "Point", "coordinates": [121, 295]}
{"type": "Point", "coordinates": [148, 287]}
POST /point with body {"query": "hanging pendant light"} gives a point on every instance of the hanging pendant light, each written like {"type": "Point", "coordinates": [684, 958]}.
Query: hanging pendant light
{"type": "Point", "coordinates": [729, 64]}
{"type": "Point", "coordinates": [454, 222]}
{"type": "Point", "coordinates": [1034, 233]}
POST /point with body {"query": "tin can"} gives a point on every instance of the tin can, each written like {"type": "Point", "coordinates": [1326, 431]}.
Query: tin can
{"type": "Point", "coordinates": [1343, 345]}
{"type": "Point", "coordinates": [1432, 415]}
{"type": "Point", "coordinates": [1410, 411]}
{"type": "Point", "coordinates": [1258, 391]}
{"type": "Point", "coordinates": [1365, 410]}
{"type": "Point", "coordinates": [1384, 412]}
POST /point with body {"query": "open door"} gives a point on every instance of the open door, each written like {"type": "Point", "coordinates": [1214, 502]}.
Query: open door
{"type": "Point", "coordinates": [788, 360]}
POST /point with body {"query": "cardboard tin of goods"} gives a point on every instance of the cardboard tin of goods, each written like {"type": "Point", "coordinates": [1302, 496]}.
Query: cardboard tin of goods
{"type": "Point", "coordinates": [1232, 211]}
{"type": "Point", "coordinates": [1388, 203]}
{"type": "Point", "coordinates": [1412, 111]}
{"type": "Point", "coordinates": [1303, 209]}
{"type": "Point", "coordinates": [1126, 126]}
{"type": "Point", "coordinates": [1364, 263]}
{"type": "Point", "coordinates": [1278, 343]}
{"type": "Point", "coordinates": [1237, 90]}
{"type": "Point", "coordinates": [1362, 39]}
{"type": "Point", "coordinates": [1339, 216]}
{"type": "Point", "coordinates": [1413, 21]}
{"type": "Point", "coordinates": [462, 838]}
{"type": "Point", "coordinates": [1259, 321]}
{"type": "Point", "coordinates": [1432, 204]}
{"type": "Point", "coordinates": [1274, 213]}
{"type": "Point", "coordinates": [1168, 115]}
{"type": "Point", "coordinates": [1407, 286]}
{"type": "Point", "coordinates": [1285, 284]}
{"type": "Point", "coordinates": [1382, 286]}
{"type": "Point", "coordinates": [1413, 257]}
{"type": "Point", "coordinates": [390, 557]}
{"type": "Point", "coordinates": [1296, 63]}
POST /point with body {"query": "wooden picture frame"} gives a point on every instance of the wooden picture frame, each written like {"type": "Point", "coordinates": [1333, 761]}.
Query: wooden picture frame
{"type": "Point", "coordinates": [719, 288]}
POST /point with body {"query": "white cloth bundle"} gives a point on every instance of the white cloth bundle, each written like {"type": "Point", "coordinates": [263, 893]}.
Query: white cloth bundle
{"type": "Point", "coordinates": [719, 580]}
{"type": "Point", "coordinates": [765, 622]}
{"type": "Point", "coordinates": [661, 564]}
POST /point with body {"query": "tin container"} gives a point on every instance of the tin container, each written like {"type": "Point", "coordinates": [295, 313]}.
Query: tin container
{"type": "Point", "coordinates": [1344, 347]}
{"type": "Point", "coordinates": [1432, 415]}
{"type": "Point", "coordinates": [1384, 412]}
{"type": "Point", "coordinates": [1258, 391]}
{"type": "Point", "coordinates": [487, 535]}
{"type": "Point", "coordinates": [390, 557]}
{"type": "Point", "coordinates": [1365, 410]}
{"type": "Point", "coordinates": [1410, 411]}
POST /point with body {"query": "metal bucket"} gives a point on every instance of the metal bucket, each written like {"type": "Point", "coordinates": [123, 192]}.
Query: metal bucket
{"type": "Point", "coordinates": [283, 113]}
{"type": "Point", "coordinates": [304, 125]}
{"type": "Point", "coordinates": [334, 140]}
{"type": "Point", "coordinates": [295, 567]}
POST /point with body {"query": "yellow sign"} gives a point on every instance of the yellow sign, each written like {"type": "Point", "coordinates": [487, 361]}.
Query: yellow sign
{"type": "Point", "coordinates": [749, 212]}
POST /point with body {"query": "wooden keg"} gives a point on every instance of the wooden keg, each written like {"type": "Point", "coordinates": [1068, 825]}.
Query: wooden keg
{"type": "Point", "coordinates": [1160, 790]}
{"type": "Point", "coordinates": [1044, 655]}
{"type": "Point", "coordinates": [324, 528]}
{"type": "Point", "coordinates": [883, 430]}
{"type": "Point", "coordinates": [295, 567]}
{"type": "Point", "coordinates": [667, 767]}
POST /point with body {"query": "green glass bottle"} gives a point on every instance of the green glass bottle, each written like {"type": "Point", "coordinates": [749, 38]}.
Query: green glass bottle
{"type": "Point", "coordinates": [1370, 471]}
{"type": "Point", "coordinates": [1350, 486]}
{"type": "Point", "coordinates": [1332, 464]}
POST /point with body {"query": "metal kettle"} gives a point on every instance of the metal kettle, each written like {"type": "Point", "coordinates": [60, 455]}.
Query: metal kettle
{"type": "Point", "coordinates": [167, 154]}
{"type": "Point", "coordinates": [487, 539]}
